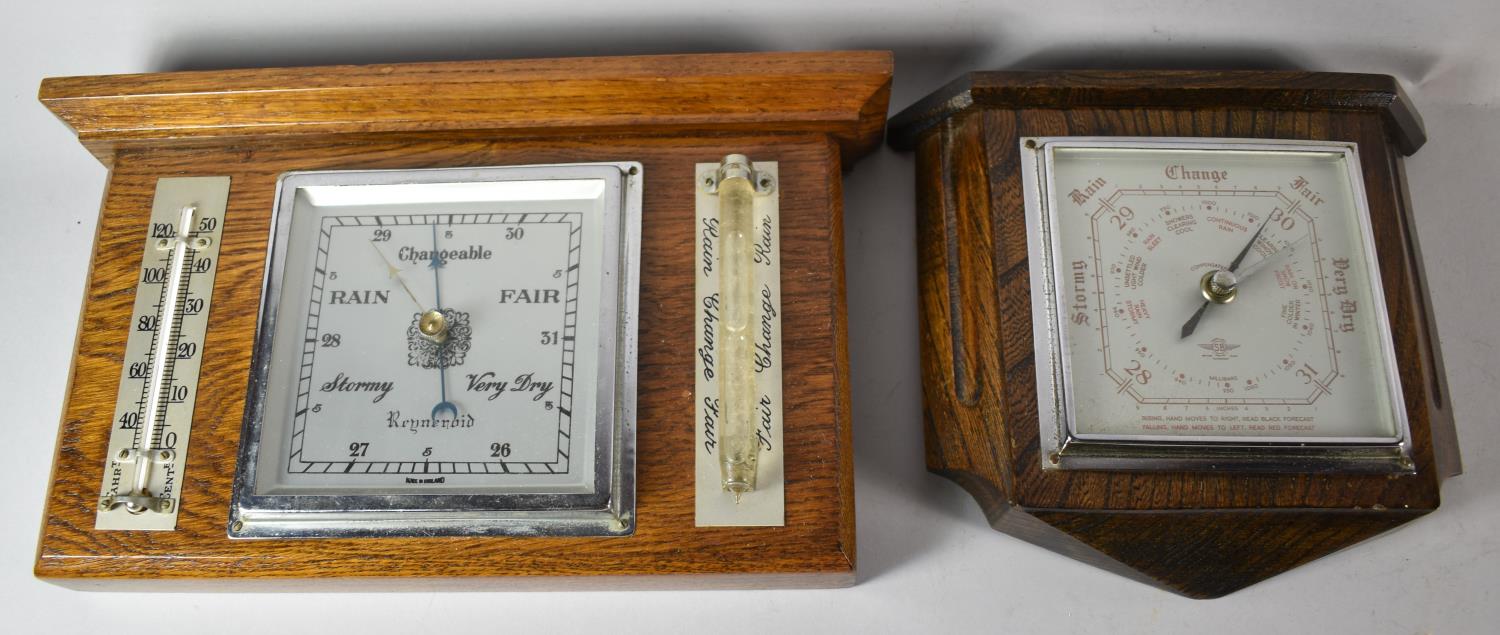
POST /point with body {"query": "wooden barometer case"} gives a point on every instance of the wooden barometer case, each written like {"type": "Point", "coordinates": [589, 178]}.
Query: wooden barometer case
{"type": "Point", "coordinates": [433, 326]}
{"type": "Point", "coordinates": [1174, 323]}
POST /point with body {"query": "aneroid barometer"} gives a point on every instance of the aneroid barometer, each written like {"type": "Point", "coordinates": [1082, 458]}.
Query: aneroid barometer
{"type": "Point", "coordinates": [1221, 323]}
{"type": "Point", "coordinates": [526, 322]}
{"type": "Point", "coordinates": [446, 350]}
{"type": "Point", "coordinates": [1201, 353]}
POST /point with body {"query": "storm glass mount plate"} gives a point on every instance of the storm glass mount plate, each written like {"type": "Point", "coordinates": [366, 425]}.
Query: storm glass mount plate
{"type": "Point", "coordinates": [518, 420]}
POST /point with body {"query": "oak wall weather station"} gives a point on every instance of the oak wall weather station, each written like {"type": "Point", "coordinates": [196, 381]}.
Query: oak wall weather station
{"type": "Point", "coordinates": [397, 325]}
{"type": "Point", "coordinates": [1174, 322]}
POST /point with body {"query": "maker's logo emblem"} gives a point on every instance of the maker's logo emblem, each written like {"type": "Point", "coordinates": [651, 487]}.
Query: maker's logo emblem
{"type": "Point", "coordinates": [1218, 348]}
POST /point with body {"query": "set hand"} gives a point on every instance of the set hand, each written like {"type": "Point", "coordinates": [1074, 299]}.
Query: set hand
{"type": "Point", "coordinates": [1286, 250]}
{"type": "Point", "coordinates": [395, 272]}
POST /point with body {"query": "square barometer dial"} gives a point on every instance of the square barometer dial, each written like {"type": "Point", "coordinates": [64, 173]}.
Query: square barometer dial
{"type": "Point", "coordinates": [446, 351]}
{"type": "Point", "coordinates": [1201, 302]}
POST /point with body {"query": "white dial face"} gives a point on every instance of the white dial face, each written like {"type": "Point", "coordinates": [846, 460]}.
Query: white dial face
{"type": "Point", "coordinates": [1212, 294]}
{"type": "Point", "coordinates": [437, 338]}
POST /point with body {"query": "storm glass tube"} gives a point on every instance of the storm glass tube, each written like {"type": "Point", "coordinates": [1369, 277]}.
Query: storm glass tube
{"type": "Point", "coordinates": [737, 394]}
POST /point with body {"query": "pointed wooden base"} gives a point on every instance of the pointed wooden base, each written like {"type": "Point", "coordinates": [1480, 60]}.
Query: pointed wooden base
{"type": "Point", "coordinates": [1201, 534]}
{"type": "Point", "coordinates": [1200, 555]}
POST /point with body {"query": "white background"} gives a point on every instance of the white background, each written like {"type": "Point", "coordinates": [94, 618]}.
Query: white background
{"type": "Point", "coordinates": [927, 560]}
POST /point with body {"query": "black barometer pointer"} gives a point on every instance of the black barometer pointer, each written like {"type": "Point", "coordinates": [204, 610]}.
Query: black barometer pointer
{"type": "Point", "coordinates": [1219, 287]}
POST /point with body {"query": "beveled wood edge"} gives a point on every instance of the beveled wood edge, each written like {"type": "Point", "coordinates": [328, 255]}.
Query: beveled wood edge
{"type": "Point", "coordinates": [1033, 528]}
{"type": "Point", "coordinates": [343, 76]}
{"type": "Point", "coordinates": [110, 109]}
{"type": "Point", "coordinates": [843, 407]}
{"type": "Point", "coordinates": [1442, 425]}
{"type": "Point", "coordinates": [334, 584]}
{"type": "Point", "coordinates": [1274, 90]}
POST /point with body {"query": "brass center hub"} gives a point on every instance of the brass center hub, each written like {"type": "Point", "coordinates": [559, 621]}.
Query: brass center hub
{"type": "Point", "coordinates": [1219, 286]}
{"type": "Point", "coordinates": [434, 326]}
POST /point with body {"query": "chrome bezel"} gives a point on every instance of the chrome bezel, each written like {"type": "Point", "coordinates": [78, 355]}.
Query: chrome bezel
{"type": "Point", "coordinates": [608, 510]}
{"type": "Point", "coordinates": [1062, 448]}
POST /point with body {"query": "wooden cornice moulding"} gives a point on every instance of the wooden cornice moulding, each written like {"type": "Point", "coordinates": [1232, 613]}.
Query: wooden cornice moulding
{"type": "Point", "coordinates": [1266, 90]}
{"type": "Point", "coordinates": [842, 94]}
{"type": "Point", "coordinates": [812, 114]}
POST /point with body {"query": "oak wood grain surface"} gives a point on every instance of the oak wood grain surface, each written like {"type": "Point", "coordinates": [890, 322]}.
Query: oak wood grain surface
{"type": "Point", "coordinates": [1168, 89]}
{"type": "Point", "coordinates": [1202, 534]}
{"type": "Point", "coordinates": [816, 547]}
{"type": "Point", "coordinates": [842, 94]}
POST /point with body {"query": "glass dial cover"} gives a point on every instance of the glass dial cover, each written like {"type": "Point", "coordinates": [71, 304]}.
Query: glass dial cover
{"type": "Point", "coordinates": [445, 351]}
{"type": "Point", "coordinates": [1212, 292]}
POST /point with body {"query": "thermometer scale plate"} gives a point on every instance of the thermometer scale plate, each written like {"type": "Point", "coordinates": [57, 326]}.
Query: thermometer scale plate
{"type": "Point", "coordinates": [153, 412]}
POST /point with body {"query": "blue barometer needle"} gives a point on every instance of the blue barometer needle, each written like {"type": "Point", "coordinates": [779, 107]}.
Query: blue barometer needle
{"type": "Point", "coordinates": [437, 291]}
